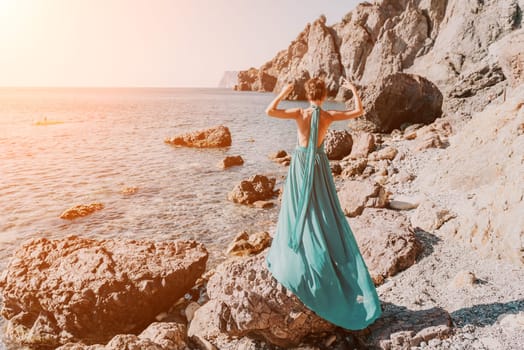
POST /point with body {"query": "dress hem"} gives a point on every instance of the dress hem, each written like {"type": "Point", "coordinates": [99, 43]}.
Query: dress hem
{"type": "Point", "coordinates": [292, 290]}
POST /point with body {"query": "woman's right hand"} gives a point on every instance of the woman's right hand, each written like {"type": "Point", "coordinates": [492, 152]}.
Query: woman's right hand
{"type": "Point", "coordinates": [348, 85]}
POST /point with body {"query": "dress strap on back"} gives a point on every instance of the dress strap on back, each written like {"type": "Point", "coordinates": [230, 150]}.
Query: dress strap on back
{"type": "Point", "coordinates": [295, 238]}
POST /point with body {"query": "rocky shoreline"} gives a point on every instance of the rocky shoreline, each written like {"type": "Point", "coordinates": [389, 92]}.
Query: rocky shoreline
{"type": "Point", "coordinates": [435, 200]}
{"type": "Point", "coordinates": [437, 289]}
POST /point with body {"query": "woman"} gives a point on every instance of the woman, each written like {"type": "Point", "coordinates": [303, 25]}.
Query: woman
{"type": "Point", "coordinates": [314, 253]}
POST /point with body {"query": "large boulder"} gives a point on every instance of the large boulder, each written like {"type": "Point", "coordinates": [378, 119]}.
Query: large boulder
{"type": "Point", "coordinates": [363, 144]}
{"type": "Point", "coordinates": [357, 195]}
{"type": "Point", "coordinates": [401, 98]}
{"type": "Point", "coordinates": [337, 144]}
{"type": "Point", "coordinates": [256, 188]}
{"type": "Point", "coordinates": [387, 242]}
{"type": "Point", "coordinates": [246, 300]}
{"type": "Point", "coordinates": [79, 289]}
{"type": "Point", "coordinates": [218, 136]}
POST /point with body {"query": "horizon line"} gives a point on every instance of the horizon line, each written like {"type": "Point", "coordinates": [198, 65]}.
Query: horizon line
{"type": "Point", "coordinates": [107, 87]}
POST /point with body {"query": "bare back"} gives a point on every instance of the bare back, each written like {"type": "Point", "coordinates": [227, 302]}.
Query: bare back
{"type": "Point", "coordinates": [304, 124]}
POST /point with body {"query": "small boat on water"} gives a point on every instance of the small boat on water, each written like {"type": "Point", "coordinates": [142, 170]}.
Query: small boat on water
{"type": "Point", "coordinates": [47, 122]}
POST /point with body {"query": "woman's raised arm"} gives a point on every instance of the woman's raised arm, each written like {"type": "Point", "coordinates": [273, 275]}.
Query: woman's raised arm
{"type": "Point", "coordinates": [355, 113]}
{"type": "Point", "coordinates": [273, 111]}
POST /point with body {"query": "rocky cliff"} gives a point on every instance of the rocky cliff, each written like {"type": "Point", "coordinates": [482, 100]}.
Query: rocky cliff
{"type": "Point", "coordinates": [447, 42]}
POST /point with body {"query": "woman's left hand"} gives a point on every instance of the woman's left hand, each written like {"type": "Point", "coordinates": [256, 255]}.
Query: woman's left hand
{"type": "Point", "coordinates": [286, 90]}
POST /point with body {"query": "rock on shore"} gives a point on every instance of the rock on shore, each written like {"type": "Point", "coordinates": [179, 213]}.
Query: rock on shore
{"type": "Point", "coordinates": [230, 161]}
{"type": "Point", "coordinates": [246, 300]}
{"type": "Point", "coordinates": [256, 188]}
{"type": "Point", "coordinates": [218, 136]}
{"type": "Point", "coordinates": [157, 336]}
{"type": "Point", "coordinates": [337, 144]}
{"type": "Point", "coordinates": [401, 98]}
{"type": "Point", "coordinates": [387, 242]}
{"type": "Point", "coordinates": [79, 289]}
{"type": "Point", "coordinates": [357, 195]}
{"type": "Point", "coordinates": [81, 210]}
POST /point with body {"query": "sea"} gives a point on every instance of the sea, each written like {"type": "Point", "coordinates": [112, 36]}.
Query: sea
{"type": "Point", "coordinates": [96, 142]}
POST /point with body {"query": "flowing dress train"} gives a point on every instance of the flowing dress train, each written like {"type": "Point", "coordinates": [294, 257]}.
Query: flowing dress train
{"type": "Point", "coordinates": [314, 253]}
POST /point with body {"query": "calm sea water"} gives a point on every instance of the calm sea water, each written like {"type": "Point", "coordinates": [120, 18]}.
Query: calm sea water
{"type": "Point", "coordinates": [114, 138]}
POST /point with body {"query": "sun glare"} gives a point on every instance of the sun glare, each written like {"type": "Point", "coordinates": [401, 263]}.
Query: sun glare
{"type": "Point", "coordinates": [15, 17]}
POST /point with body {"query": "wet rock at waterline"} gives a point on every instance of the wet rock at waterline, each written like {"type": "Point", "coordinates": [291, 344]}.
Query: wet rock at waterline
{"type": "Point", "coordinates": [245, 244]}
{"type": "Point", "coordinates": [256, 188]}
{"type": "Point", "coordinates": [218, 136]}
{"type": "Point", "coordinates": [281, 157]}
{"type": "Point", "coordinates": [230, 161]}
{"type": "Point", "coordinates": [81, 210]}
{"type": "Point", "coordinates": [79, 289]}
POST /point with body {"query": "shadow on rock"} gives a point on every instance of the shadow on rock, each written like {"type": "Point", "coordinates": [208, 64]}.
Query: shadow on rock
{"type": "Point", "coordinates": [486, 314]}
{"type": "Point", "coordinates": [428, 240]}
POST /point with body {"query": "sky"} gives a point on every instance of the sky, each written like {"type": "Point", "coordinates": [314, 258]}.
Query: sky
{"type": "Point", "coordinates": [147, 42]}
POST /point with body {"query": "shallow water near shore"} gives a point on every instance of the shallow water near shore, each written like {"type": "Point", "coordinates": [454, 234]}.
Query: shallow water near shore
{"type": "Point", "coordinates": [112, 138]}
{"type": "Point", "coordinates": [103, 140]}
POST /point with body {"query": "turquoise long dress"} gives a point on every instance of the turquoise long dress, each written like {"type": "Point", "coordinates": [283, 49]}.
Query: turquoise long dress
{"type": "Point", "coordinates": [314, 253]}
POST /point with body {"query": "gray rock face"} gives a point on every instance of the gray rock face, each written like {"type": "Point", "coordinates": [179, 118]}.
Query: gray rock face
{"type": "Point", "coordinates": [483, 170]}
{"type": "Point", "coordinates": [510, 57]}
{"type": "Point", "coordinates": [218, 136]}
{"type": "Point", "coordinates": [470, 84]}
{"type": "Point", "coordinates": [401, 98]}
{"type": "Point", "coordinates": [464, 37]}
{"type": "Point", "coordinates": [450, 43]}
{"type": "Point", "coordinates": [401, 38]}
{"type": "Point", "coordinates": [337, 144]}
{"type": "Point", "coordinates": [77, 289]}
{"type": "Point", "coordinates": [314, 52]}
{"type": "Point", "coordinates": [246, 299]}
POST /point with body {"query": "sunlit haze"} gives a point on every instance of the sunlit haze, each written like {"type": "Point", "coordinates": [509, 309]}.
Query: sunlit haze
{"type": "Point", "coordinates": [146, 42]}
